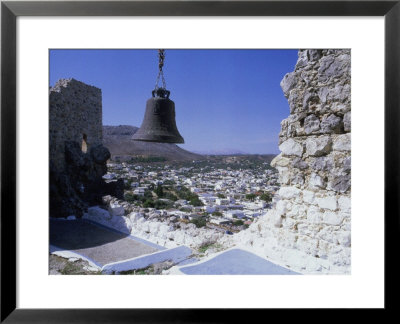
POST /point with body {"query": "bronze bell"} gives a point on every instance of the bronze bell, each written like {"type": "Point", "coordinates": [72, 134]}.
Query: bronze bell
{"type": "Point", "coordinates": [159, 120]}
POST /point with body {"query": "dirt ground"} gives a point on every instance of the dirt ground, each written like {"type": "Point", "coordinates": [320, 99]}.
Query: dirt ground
{"type": "Point", "coordinates": [63, 266]}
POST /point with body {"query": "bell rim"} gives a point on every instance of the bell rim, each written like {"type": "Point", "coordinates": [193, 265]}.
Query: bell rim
{"type": "Point", "coordinates": [159, 139]}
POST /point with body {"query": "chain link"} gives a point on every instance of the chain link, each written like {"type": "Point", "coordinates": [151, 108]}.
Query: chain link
{"type": "Point", "coordinates": [161, 58]}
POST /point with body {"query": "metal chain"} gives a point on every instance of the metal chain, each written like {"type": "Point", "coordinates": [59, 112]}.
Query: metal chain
{"type": "Point", "coordinates": [161, 58]}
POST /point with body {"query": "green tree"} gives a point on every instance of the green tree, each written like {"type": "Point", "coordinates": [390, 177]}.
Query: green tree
{"type": "Point", "coordinates": [251, 197]}
{"type": "Point", "coordinates": [195, 201]}
{"type": "Point", "coordinates": [148, 203]}
{"type": "Point", "coordinates": [199, 222]}
{"type": "Point", "coordinates": [148, 194]}
{"type": "Point", "coordinates": [266, 196]}
{"type": "Point", "coordinates": [238, 222]}
{"type": "Point", "coordinates": [129, 197]}
{"type": "Point", "coordinates": [159, 191]}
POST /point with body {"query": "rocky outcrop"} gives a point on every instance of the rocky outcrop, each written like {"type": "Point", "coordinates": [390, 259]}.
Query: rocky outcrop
{"type": "Point", "coordinates": [309, 228]}
{"type": "Point", "coordinates": [80, 184]}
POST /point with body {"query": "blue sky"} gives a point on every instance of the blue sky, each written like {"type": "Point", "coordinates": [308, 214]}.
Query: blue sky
{"type": "Point", "coordinates": [224, 99]}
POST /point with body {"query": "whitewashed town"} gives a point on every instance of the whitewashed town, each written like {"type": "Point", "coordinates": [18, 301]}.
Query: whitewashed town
{"type": "Point", "coordinates": [200, 193]}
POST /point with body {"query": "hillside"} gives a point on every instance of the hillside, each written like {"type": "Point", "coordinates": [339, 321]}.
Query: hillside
{"type": "Point", "coordinates": [118, 140]}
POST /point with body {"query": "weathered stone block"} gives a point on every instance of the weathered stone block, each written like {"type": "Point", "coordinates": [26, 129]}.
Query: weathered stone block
{"type": "Point", "coordinates": [331, 124]}
{"type": "Point", "coordinates": [344, 203]}
{"type": "Point", "coordinates": [289, 192]}
{"type": "Point", "coordinates": [298, 163]}
{"type": "Point", "coordinates": [291, 147]}
{"type": "Point", "coordinates": [308, 197]}
{"type": "Point", "coordinates": [344, 238]}
{"type": "Point", "coordinates": [318, 146]}
{"type": "Point", "coordinates": [332, 218]}
{"type": "Point", "coordinates": [314, 215]}
{"type": "Point", "coordinates": [316, 182]}
{"type": "Point", "coordinates": [340, 93]}
{"type": "Point", "coordinates": [284, 175]}
{"type": "Point", "coordinates": [347, 121]}
{"type": "Point", "coordinates": [340, 183]}
{"type": "Point", "coordinates": [311, 124]}
{"type": "Point", "coordinates": [327, 202]}
{"type": "Point", "coordinates": [288, 82]}
{"type": "Point", "coordinates": [280, 160]}
{"type": "Point", "coordinates": [333, 67]}
{"type": "Point", "coordinates": [310, 99]}
{"type": "Point", "coordinates": [322, 163]}
{"type": "Point", "coordinates": [297, 179]}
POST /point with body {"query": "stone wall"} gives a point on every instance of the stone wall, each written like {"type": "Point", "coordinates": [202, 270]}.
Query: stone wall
{"type": "Point", "coordinates": [75, 113]}
{"type": "Point", "coordinates": [309, 228]}
{"type": "Point", "coordinates": [77, 157]}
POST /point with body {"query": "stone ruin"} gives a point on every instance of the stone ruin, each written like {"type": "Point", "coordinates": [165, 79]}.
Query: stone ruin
{"type": "Point", "coordinates": [77, 157]}
{"type": "Point", "coordinates": [309, 228]}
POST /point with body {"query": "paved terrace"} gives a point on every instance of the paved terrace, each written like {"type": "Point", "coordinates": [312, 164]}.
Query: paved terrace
{"type": "Point", "coordinates": [99, 244]}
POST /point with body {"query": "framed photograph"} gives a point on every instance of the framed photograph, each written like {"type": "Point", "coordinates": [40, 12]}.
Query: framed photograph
{"type": "Point", "coordinates": [284, 159]}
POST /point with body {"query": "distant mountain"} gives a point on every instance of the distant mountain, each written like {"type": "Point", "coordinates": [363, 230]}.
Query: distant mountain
{"type": "Point", "coordinates": [222, 152]}
{"type": "Point", "coordinates": [118, 140]}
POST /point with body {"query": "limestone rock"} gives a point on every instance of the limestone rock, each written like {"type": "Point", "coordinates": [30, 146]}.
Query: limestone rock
{"type": "Point", "coordinates": [327, 202]}
{"type": "Point", "coordinates": [280, 160]}
{"type": "Point", "coordinates": [288, 192]}
{"type": "Point", "coordinates": [347, 121]}
{"type": "Point", "coordinates": [288, 82]}
{"type": "Point", "coordinates": [311, 124]}
{"type": "Point", "coordinates": [291, 147]}
{"type": "Point", "coordinates": [318, 146]}
{"type": "Point", "coordinates": [340, 183]}
{"type": "Point", "coordinates": [310, 99]}
{"type": "Point", "coordinates": [340, 93]}
{"type": "Point", "coordinates": [322, 163]}
{"type": "Point", "coordinates": [331, 124]}
{"type": "Point", "coordinates": [332, 218]}
{"type": "Point", "coordinates": [342, 143]}
{"type": "Point", "coordinates": [316, 182]}
{"type": "Point", "coordinates": [308, 196]}
{"type": "Point", "coordinates": [344, 203]}
{"type": "Point", "coordinates": [298, 163]}
{"type": "Point", "coordinates": [314, 215]}
{"type": "Point", "coordinates": [331, 67]}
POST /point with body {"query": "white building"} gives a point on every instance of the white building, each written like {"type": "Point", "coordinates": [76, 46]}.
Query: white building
{"type": "Point", "coordinates": [219, 220]}
{"type": "Point", "coordinates": [209, 209]}
{"type": "Point", "coordinates": [235, 214]}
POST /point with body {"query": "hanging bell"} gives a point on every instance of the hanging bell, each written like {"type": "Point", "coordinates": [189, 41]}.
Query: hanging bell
{"type": "Point", "coordinates": [159, 120]}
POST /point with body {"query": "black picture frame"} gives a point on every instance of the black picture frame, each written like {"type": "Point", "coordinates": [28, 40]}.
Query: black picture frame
{"type": "Point", "coordinates": [10, 10]}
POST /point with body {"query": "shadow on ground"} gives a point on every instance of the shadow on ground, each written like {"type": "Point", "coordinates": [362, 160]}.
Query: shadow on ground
{"type": "Point", "coordinates": [97, 243]}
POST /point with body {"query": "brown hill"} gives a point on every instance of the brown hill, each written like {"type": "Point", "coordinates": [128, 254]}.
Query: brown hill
{"type": "Point", "coordinates": [118, 140]}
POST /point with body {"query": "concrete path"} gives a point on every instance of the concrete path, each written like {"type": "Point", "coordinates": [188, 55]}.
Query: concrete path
{"type": "Point", "coordinates": [235, 262]}
{"type": "Point", "coordinates": [97, 243]}
{"type": "Point", "coordinates": [176, 255]}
